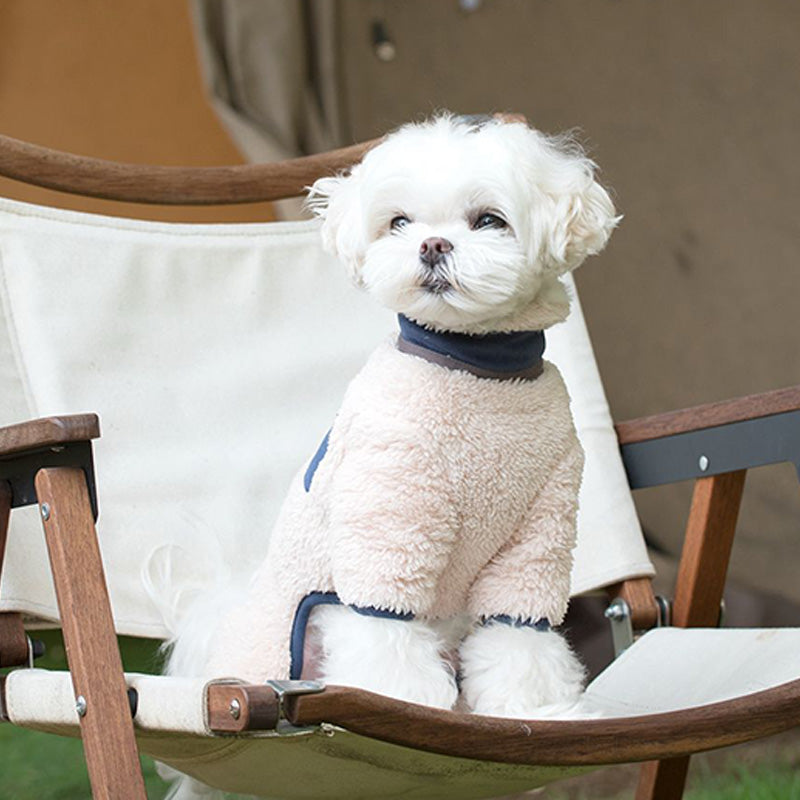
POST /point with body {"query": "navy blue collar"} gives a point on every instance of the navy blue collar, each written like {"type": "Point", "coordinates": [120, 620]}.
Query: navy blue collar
{"type": "Point", "coordinates": [517, 354]}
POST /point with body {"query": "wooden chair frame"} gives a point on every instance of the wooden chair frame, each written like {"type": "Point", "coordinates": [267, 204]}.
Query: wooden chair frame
{"type": "Point", "coordinates": [702, 443]}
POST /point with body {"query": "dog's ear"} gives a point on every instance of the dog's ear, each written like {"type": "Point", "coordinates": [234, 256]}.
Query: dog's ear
{"type": "Point", "coordinates": [337, 202]}
{"type": "Point", "coordinates": [581, 224]}
{"type": "Point", "coordinates": [572, 214]}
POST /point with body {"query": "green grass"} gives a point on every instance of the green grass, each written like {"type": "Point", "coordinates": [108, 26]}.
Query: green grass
{"type": "Point", "coordinates": [39, 766]}
{"type": "Point", "coordinates": [743, 781]}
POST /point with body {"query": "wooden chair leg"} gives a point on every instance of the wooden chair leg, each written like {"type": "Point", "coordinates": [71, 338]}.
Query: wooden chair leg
{"type": "Point", "coordinates": [698, 594]}
{"type": "Point", "coordinates": [89, 638]}
{"type": "Point", "coordinates": [662, 780]}
{"type": "Point", "coordinates": [5, 513]}
{"type": "Point", "coordinates": [13, 640]}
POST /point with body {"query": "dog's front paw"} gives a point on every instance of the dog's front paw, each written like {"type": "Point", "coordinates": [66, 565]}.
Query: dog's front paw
{"type": "Point", "coordinates": [396, 658]}
{"type": "Point", "coordinates": [520, 672]}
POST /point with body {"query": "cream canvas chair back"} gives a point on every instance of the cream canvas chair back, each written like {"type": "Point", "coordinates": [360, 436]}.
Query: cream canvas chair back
{"type": "Point", "coordinates": [216, 357]}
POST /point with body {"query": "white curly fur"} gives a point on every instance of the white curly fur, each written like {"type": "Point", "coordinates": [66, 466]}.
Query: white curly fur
{"type": "Point", "coordinates": [519, 672]}
{"type": "Point", "coordinates": [439, 173]}
{"type": "Point", "coordinates": [396, 658]}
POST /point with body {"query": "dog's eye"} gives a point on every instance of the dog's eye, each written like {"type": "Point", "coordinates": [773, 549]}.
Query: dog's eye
{"type": "Point", "coordinates": [489, 221]}
{"type": "Point", "coordinates": [399, 222]}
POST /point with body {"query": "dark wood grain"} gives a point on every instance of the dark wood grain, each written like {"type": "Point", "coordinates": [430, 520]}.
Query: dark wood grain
{"type": "Point", "coordinates": [708, 415]}
{"type": "Point", "coordinates": [139, 183]}
{"type": "Point", "coordinates": [48, 432]}
{"type": "Point", "coordinates": [3, 707]}
{"type": "Point", "coordinates": [662, 780]}
{"type": "Point", "coordinates": [638, 594]}
{"type": "Point", "coordinates": [89, 638]}
{"type": "Point", "coordinates": [706, 549]}
{"type": "Point", "coordinates": [13, 640]}
{"type": "Point", "coordinates": [257, 708]}
{"type": "Point", "coordinates": [5, 516]}
{"type": "Point", "coordinates": [562, 743]}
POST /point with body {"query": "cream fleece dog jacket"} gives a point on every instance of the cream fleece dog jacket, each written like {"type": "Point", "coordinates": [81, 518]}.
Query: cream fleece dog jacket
{"type": "Point", "coordinates": [439, 492]}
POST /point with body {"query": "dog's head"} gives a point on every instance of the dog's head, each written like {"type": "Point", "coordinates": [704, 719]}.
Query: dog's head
{"type": "Point", "coordinates": [462, 225]}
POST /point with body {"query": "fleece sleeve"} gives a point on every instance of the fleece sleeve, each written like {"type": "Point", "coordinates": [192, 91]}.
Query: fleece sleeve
{"type": "Point", "coordinates": [393, 524]}
{"type": "Point", "coordinates": [529, 578]}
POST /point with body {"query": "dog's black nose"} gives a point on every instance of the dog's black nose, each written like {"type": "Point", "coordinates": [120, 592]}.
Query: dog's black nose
{"type": "Point", "coordinates": [433, 250]}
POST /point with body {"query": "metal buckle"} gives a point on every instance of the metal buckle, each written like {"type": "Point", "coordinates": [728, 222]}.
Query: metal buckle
{"type": "Point", "coordinates": [284, 689]}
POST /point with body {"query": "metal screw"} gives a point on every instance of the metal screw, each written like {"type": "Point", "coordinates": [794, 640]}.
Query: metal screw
{"type": "Point", "coordinates": [45, 512]}
{"type": "Point", "coordinates": [80, 705]}
{"type": "Point", "coordinates": [235, 709]}
{"type": "Point", "coordinates": [703, 463]}
{"type": "Point", "coordinates": [615, 611]}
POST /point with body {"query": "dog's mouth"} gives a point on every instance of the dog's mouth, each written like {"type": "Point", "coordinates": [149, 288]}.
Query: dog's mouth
{"type": "Point", "coordinates": [437, 280]}
{"type": "Point", "coordinates": [435, 284]}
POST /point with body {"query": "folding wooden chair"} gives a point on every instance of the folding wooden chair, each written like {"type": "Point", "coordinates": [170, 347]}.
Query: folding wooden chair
{"type": "Point", "coordinates": [675, 691]}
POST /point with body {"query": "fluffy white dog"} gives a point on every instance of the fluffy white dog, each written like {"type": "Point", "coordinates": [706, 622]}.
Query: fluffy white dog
{"type": "Point", "coordinates": [435, 524]}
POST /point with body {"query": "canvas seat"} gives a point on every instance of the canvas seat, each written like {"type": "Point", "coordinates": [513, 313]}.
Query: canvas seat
{"type": "Point", "coordinates": [215, 356]}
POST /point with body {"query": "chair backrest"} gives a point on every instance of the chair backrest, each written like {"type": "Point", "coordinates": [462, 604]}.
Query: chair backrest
{"type": "Point", "coordinates": [216, 356]}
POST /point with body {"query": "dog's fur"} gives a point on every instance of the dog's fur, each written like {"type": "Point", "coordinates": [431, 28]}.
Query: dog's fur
{"type": "Point", "coordinates": [442, 494]}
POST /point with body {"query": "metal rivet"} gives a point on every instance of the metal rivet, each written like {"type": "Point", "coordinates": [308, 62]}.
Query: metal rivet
{"type": "Point", "coordinates": [80, 705]}
{"type": "Point", "coordinates": [45, 512]}
{"type": "Point", "coordinates": [616, 611]}
{"type": "Point", "coordinates": [235, 709]}
{"type": "Point", "coordinates": [703, 463]}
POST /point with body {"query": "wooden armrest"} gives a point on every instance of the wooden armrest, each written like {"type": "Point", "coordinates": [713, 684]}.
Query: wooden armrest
{"type": "Point", "coordinates": [144, 183]}
{"type": "Point", "coordinates": [712, 439]}
{"type": "Point", "coordinates": [709, 415]}
{"type": "Point", "coordinates": [140, 183]}
{"type": "Point", "coordinates": [514, 741]}
{"type": "Point", "coordinates": [48, 432]}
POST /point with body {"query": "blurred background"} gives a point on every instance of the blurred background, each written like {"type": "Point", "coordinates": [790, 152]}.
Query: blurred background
{"type": "Point", "coordinates": [690, 109]}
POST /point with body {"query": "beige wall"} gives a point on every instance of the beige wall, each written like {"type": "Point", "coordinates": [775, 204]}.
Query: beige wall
{"type": "Point", "coordinates": [115, 80]}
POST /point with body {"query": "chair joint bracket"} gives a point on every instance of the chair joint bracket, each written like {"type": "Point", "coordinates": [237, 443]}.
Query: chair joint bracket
{"type": "Point", "coordinates": [19, 470]}
{"type": "Point", "coordinates": [618, 615]}
{"type": "Point", "coordinates": [287, 689]}
{"type": "Point", "coordinates": [620, 618]}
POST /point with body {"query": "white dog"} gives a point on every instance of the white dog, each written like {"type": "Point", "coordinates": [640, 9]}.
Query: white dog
{"type": "Point", "coordinates": [439, 512]}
